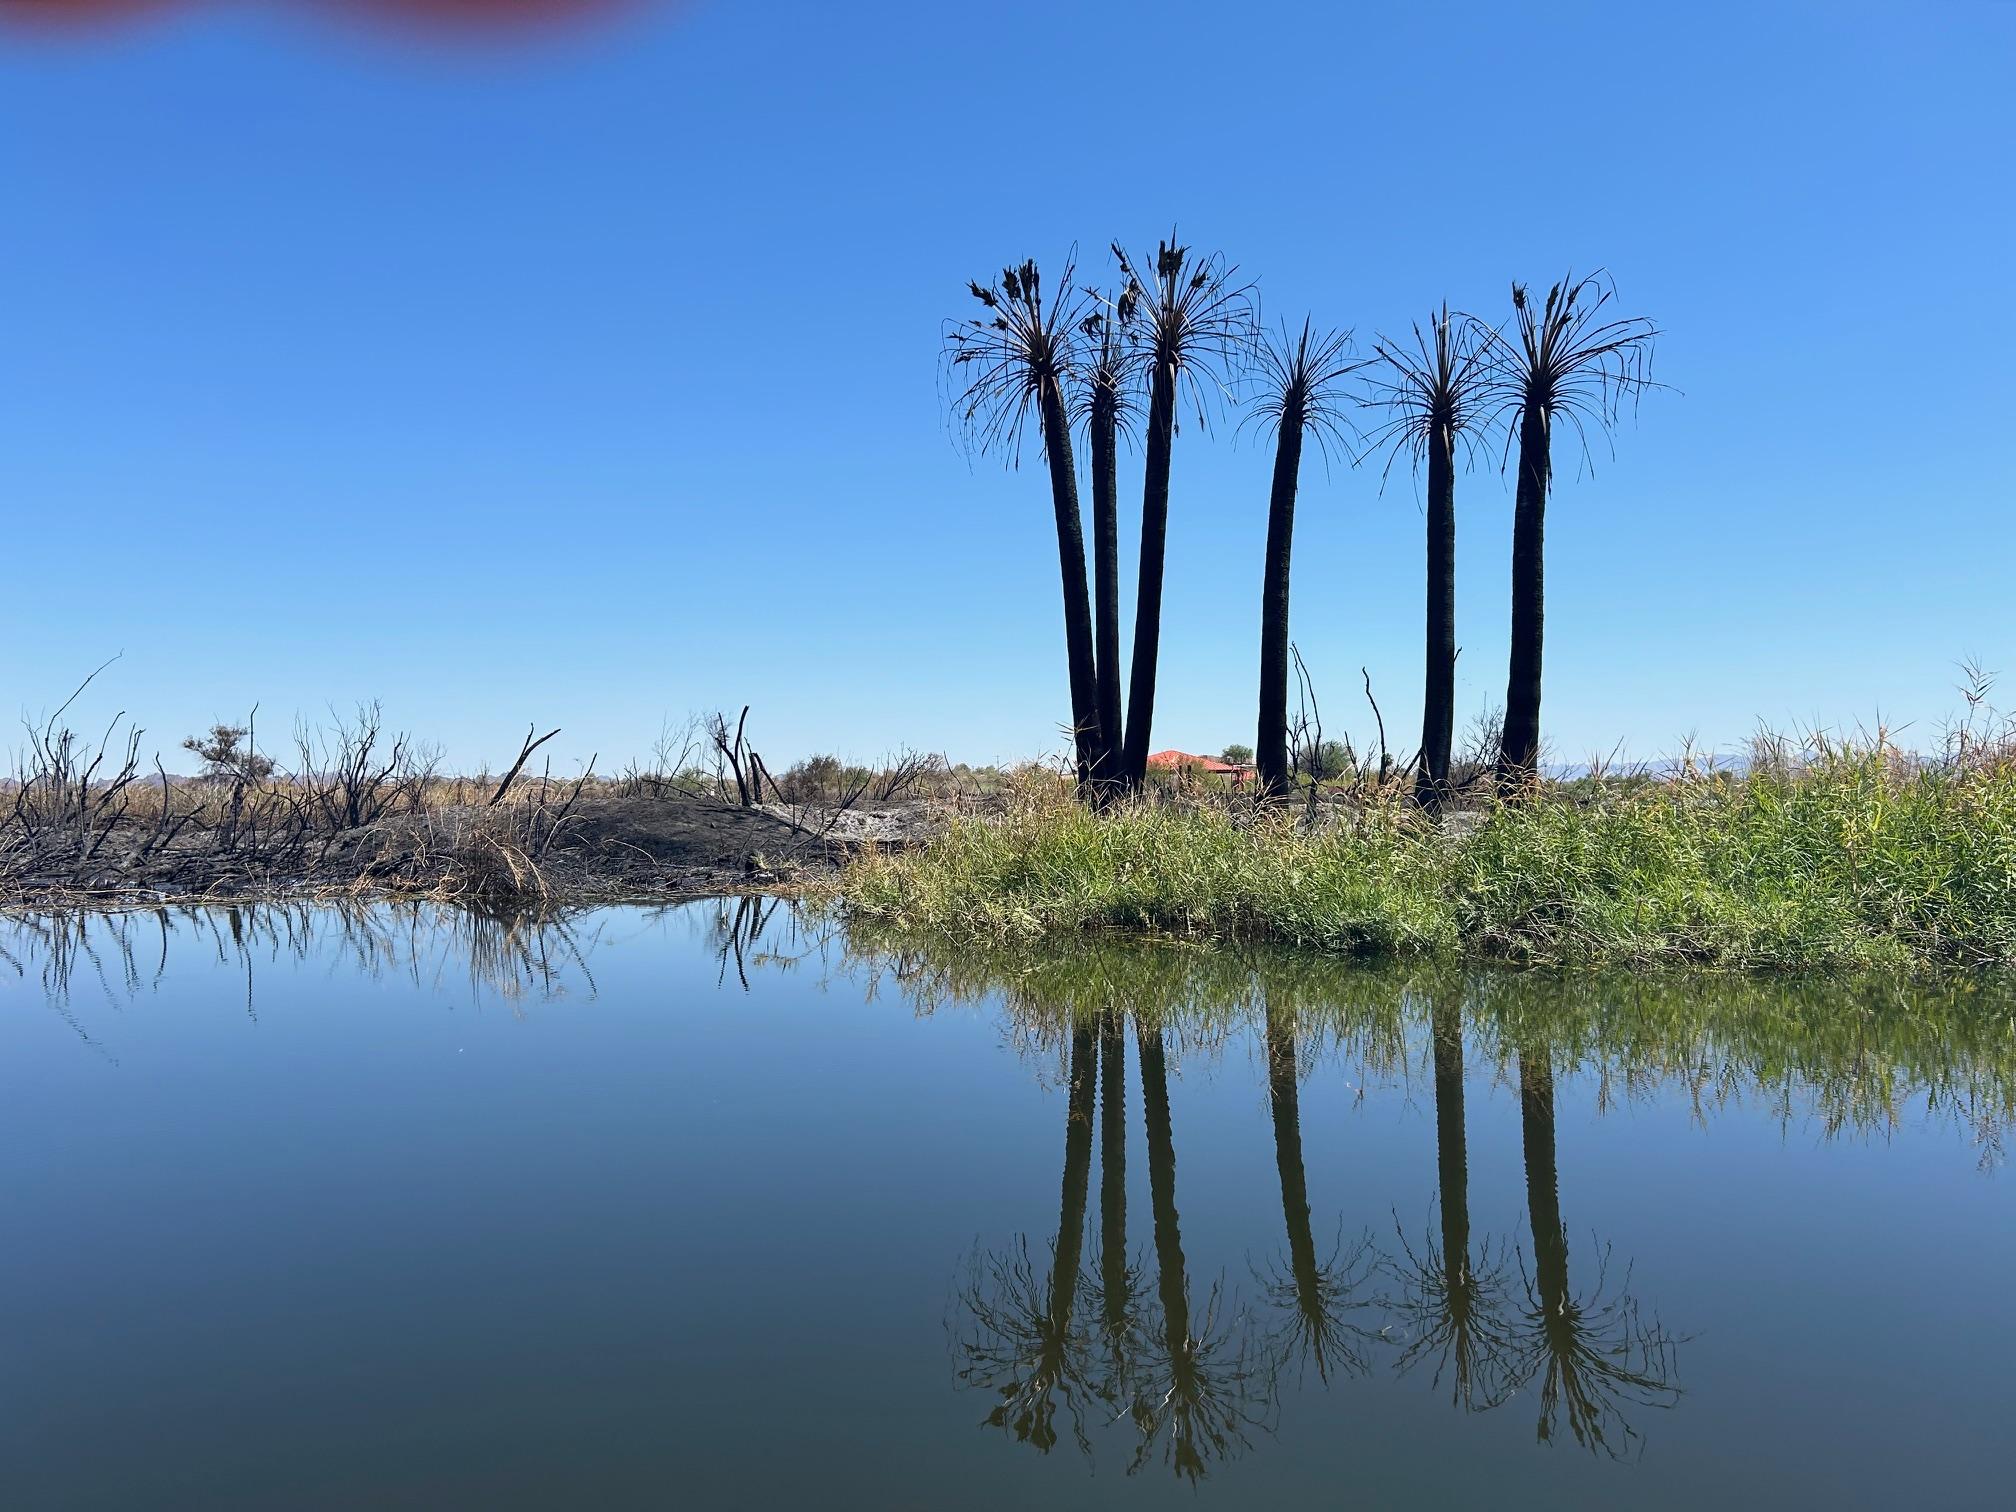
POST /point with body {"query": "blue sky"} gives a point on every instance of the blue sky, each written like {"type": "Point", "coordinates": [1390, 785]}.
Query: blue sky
{"type": "Point", "coordinates": [591, 379]}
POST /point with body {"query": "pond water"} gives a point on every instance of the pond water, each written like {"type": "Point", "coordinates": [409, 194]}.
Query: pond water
{"type": "Point", "coordinates": [712, 1206]}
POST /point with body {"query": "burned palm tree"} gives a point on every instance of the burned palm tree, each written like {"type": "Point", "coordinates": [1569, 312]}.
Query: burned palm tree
{"type": "Point", "coordinates": [1298, 380]}
{"type": "Point", "coordinates": [1453, 1296]}
{"type": "Point", "coordinates": [1594, 1355]}
{"type": "Point", "coordinates": [1317, 1294]}
{"type": "Point", "coordinates": [1193, 318]}
{"type": "Point", "coordinates": [1016, 359]}
{"type": "Point", "coordinates": [1572, 359]}
{"type": "Point", "coordinates": [1028, 1346]}
{"type": "Point", "coordinates": [1112, 364]}
{"type": "Point", "coordinates": [1194, 1395]}
{"type": "Point", "coordinates": [1436, 396]}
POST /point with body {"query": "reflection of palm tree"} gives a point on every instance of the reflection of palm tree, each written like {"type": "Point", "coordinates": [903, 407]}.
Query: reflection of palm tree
{"type": "Point", "coordinates": [1452, 1301]}
{"type": "Point", "coordinates": [1026, 1346]}
{"type": "Point", "coordinates": [1316, 1293]}
{"type": "Point", "coordinates": [1189, 1380]}
{"type": "Point", "coordinates": [1594, 1355]}
{"type": "Point", "coordinates": [1116, 1275]}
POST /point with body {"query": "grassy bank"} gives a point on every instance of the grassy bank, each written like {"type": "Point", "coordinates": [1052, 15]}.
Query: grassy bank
{"type": "Point", "coordinates": [1839, 857]}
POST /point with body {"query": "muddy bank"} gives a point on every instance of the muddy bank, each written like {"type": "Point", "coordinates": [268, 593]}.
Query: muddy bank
{"type": "Point", "coordinates": [603, 848]}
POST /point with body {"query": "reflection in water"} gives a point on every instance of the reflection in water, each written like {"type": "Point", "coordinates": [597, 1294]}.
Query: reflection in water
{"type": "Point", "coordinates": [1192, 1389]}
{"type": "Point", "coordinates": [1318, 1296]}
{"type": "Point", "coordinates": [1453, 1298]}
{"type": "Point", "coordinates": [1075, 1338]}
{"type": "Point", "coordinates": [1195, 1379]}
{"type": "Point", "coordinates": [1592, 1355]}
{"type": "Point", "coordinates": [1482, 1318]}
{"type": "Point", "coordinates": [1028, 1345]}
{"type": "Point", "coordinates": [120, 955]}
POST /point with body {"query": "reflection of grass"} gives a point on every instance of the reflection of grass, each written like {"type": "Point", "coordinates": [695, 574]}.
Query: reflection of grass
{"type": "Point", "coordinates": [1852, 1053]}
{"type": "Point", "coordinates": [1840, 856]}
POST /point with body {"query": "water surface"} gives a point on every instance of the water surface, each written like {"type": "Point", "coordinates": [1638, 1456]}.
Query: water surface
{"type": "Point", "coordinates": [711, 1207]}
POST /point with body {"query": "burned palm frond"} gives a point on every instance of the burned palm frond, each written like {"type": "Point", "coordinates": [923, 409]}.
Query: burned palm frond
{"type": "Point", "coordinates": [1596, 1357]}
{"type": "Point", "coordinates": [1001, 362]}
{"type": "Point", "coordinates": [1437, 393]}
{"type": "Point", "coordinates": [1295, 381]}
{"type": "Point", "coordinates": [1201, 1387]}
{"type": "Point", "coordinates": [1111, 362]}
{"type": "Point", "coordinates": [1573, 357]}
{"type": "Point", "coordinates": [1028, 1348]}
{"type": "Point", "coordinates": [1193, 319]}
{"type": "Point", "coordinates": [1319, 1301]}
{"type": "Point", "coordinates": [1452, 1312]}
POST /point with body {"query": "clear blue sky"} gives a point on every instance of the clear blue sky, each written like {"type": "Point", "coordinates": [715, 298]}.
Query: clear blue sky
{"type": "Point", "coordinates": [592, 379]}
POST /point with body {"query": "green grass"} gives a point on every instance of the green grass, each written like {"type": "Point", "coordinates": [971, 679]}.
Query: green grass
{"type": "Point", "coordinates": [1845, 858]}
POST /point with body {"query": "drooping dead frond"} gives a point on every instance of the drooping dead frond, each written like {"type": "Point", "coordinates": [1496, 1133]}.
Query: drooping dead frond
{"type": "Point", "coordinates": [1438, 388]}
{"type": "Point", "coordinates": [999, 363]}
{"type": "Point", "coordinates": [1573, 357]}
{"type": "Point", "coordinates": [1194, 317]}
{"type": "Point", "coordinates": [1296, 379]}
{"type": "Point", "coordinates": [1112, 361]}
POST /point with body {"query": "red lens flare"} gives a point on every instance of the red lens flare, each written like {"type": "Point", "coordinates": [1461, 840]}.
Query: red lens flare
{"type": "Point", "coordinates": [434, 16]}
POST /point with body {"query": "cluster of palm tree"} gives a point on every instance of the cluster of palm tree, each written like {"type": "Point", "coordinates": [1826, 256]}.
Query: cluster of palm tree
{"type": "Point", "coordinates": [1183, 334]}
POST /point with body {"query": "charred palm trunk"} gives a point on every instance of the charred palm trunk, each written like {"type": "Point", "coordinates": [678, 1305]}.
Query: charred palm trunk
{"type": "Point", "coordinates": [1106, 577]}
{"type": "Point", "coordinates": [1148, 599]}
{"type": "Point", "coordinates": [1284, 1100]}
{"type": "Point", "coordinates": [1071, 566]}
{"type": "Point", "coordinates": [1172, 1284]}
{"type": "Point", "coordinates": [1519, 746]}
{"type": "Point", "coordinates": [1113, 1174]}
{"type": "Point", "coordinates": [1438, 708]}
{"type": "Point", "coordinates": [1077, 1181]}
{"type": "Point", "coordinates": [1452, 1163]}
{"type": "Point", "coordinates": [1543, 1191]}
{"type": "Point", "coordinates": [1270, 745]}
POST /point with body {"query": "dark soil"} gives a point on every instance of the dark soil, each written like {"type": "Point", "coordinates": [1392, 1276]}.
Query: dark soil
{"type": "Point", "coordinates": [605, 848]}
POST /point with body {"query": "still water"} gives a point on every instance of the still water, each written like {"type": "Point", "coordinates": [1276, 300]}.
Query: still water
{"type": "Point", "coordinates": [715, 1207]}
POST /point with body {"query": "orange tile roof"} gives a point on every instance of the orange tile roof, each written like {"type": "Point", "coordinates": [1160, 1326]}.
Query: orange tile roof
{"type": "Point", "coordinates": [1185, 759]}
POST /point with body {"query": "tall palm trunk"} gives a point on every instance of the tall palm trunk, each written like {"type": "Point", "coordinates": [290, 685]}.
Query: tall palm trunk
{"type": "Point", "coordinates": [1452, 1164]}
{"type": "Point", "coordinates": [1187, 1387]}
{"type": "Point", "coordinates": [1104, 430]}
{"type": "Point", "coordinates": [1071, 566]}
{"type": "Point", "coordinates": [1438, 713]}
{"type": "Point", "coordinates": [1148, 593]}
{"type": "Point", "coordinates": [1077, 1182]}
{"type": "Point", "coordinates": [1543, 1189]}
{"type": "Point", "coordinates": [1519, 744]}
{"type": "Point", "coordinates": [1270, 746]}
{"type": "Point", "coordinates": [1171, 1278]}
{"type": "Point", "coordinates": [1285, 1103]}
{"type": "Point", "coordinates": [1113, 1175]}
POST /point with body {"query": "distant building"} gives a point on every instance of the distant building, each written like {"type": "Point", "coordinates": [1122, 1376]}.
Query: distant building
{"type": "Point", "coordinates": [1236, 772]}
